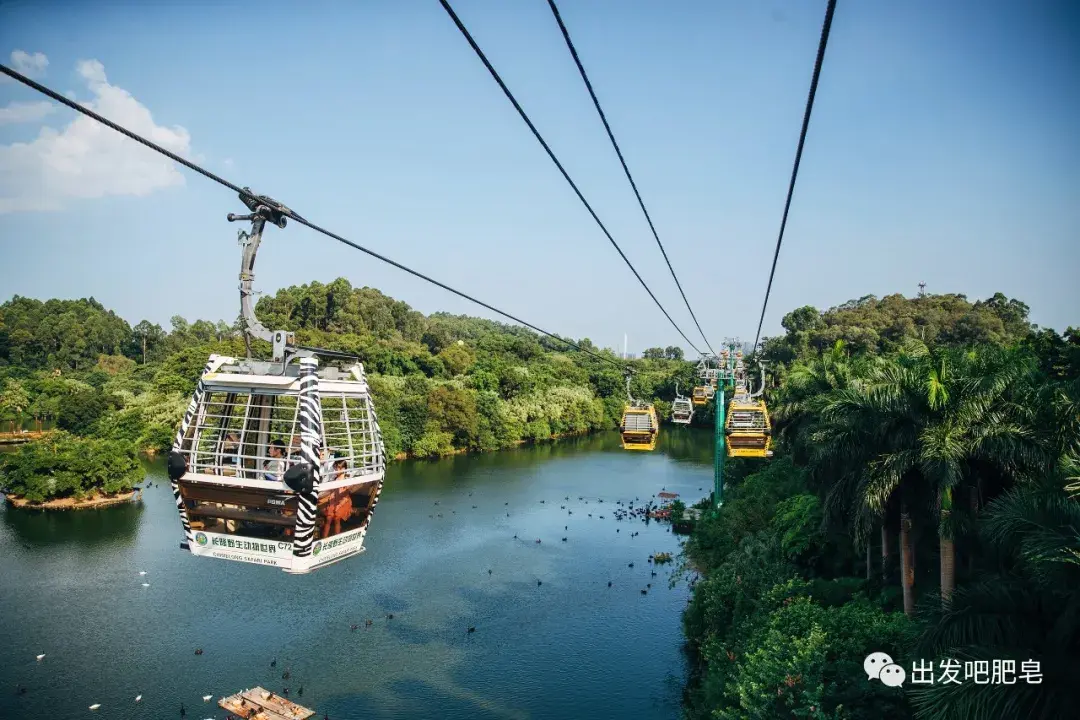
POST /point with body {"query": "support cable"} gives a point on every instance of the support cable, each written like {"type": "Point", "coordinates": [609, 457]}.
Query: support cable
{"type": "Point", "coordinates": [554, 159]}
{"type": "Point", "coordinates": [826, 26]}
{"type": "Point", "coordinates": [622, 161]}
{"type": "Point", "coordinates": [246, 193]}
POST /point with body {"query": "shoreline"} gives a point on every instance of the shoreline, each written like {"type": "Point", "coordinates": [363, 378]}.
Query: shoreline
{"type": "Point", "coordinates": [69, 503]}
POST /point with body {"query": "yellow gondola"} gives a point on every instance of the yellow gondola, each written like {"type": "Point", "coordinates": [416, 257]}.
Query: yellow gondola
{"type": "Point", "coordinates": [639, 426]}
{"type": "Point", "coordinates": [699, 396]}
{"type": "Point", "coordinates": [748, 428]}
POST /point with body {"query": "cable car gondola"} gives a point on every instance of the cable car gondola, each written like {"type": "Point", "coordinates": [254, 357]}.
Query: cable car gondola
{"type": "Point", "coordinates": [748, 428]}
{"type": "Point", "coordinates": [702, 394]}
{"type": "Point", "coordinates": [639, 426]}
{"type": "Point", "coordinates": [277, 462]}
{"type": "Point", "coordinates": [682, 409]}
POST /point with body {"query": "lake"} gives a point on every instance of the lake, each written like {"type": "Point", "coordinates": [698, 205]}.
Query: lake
{"type": "Point", "coordinates": [567, 648]}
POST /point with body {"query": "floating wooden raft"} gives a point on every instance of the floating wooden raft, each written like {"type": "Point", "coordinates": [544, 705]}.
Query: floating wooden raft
{"type": "Point", "coordinates": [259, 704]}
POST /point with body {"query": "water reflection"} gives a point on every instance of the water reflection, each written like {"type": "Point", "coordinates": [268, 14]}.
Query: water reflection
{"type": "Point", "coordinates": [87, 528]}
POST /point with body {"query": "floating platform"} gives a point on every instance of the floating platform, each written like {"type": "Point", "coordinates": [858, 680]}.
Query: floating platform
{"type": "Point", "coordinates": [261, 704]}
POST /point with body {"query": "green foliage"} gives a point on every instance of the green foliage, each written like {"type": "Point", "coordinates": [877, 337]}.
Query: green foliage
{"type": "Point", "coordinates": [14, 400]}
{"type": "Point", "coordinates": [64, 334]}
{"type": "Point", "coordinates": [797, 523]}
{"type": "Point", "coordinates": [950, 412]}
{"type": "Point", "coordinates": [870, 325]}
{"type": "Point", "coordinates": [457, 358]}
{"type": "Point", "coordinates": [80, 411]}
{"type": "Point", "coordinates": [66, 466]}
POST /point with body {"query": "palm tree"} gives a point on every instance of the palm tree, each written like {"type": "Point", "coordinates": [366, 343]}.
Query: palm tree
{"type": "Point", "coordinates": [911, 432]}
{"type": "Point", "coordinates": [1027, 608]}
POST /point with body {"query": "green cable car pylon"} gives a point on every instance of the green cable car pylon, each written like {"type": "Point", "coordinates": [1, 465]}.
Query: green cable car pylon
{"type": "Point", "coordinates": [725, 380]}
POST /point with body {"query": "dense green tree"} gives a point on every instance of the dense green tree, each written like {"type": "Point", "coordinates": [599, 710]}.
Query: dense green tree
{"type": "Point", "coordinates": [14, 401]}
{"type": "Point", "coordinates": [80, 411]}
{"type": "Point", "coordinates": [65, 466]}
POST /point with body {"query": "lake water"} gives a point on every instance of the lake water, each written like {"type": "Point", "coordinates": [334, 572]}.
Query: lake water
{"type": "Point", "coordinates": [569, 648]}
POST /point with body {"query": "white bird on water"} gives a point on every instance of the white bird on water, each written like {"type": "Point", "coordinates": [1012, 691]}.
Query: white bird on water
{"type": "Point", "coordinates": [142, 572]}
{"type": "Point", "coordinates": [206, 698]}
{"type": "Point", "coordinates": [146, 584]}
{"type": "Point", "coordinates": [95, 706]}
{"type": "Point", "coordinates": [41, 657]}
{"type": "Point", "coordinates": [138, 698]}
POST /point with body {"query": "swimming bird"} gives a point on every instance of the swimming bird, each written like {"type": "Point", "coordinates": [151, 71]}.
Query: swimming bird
{"type": "Point", "coordinates": [539, 583]}
{"type": "Point", "coordinates": [198, 651]}
{"type": "Point", "coordinates": [390, 616]}
{"type": "Point", "coordinates": [631, 565]}
{"type": "Point", "coordinates": [644, 592]}
{"type": "Point", "coordinates": [489, 571]}
{"type": "Point", "coordinates": [95, 706]}
{"type": "Point", "coordinates": [41, 657]}
{"type": "Point", "coordinates": [564, 539]}
{"type": "Point", "coordinates": [142, 572]}
{"type": "Point", "coordinates": [146, 584]}
{"type": "Point", "coordinates": [273, 663]}
{"type": "Point", "coordinates": [472, 629]}
{"type": "Point", "coordinates": [609, 583]}
{"type": "Point", "coordinates": [138, 698]}
{"type": "Point", "coordinates": [206, 698]}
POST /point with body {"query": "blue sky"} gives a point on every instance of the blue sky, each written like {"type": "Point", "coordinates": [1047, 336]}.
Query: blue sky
{"type": "Point", "coordinates": [942, 149]}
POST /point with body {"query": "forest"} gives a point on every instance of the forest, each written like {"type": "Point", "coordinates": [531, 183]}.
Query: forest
{"type": "Point", "coordinates": [923, 501]}
{"type": "Point", "coordinates": [442, 384]}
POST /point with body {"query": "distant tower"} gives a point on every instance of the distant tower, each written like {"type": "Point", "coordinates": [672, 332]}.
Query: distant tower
{"type": "Point", "coordinates": [922, 289]}
{"type": "Point", "coordinates": [624, 346]}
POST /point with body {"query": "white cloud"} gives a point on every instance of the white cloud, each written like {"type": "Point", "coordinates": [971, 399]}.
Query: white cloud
{"type": "Point", "coordinates": [29, 65]}
{"type": "Point", "coordinates": [86, 159]}
{"type": "Point", "coordinates": [23, 112]}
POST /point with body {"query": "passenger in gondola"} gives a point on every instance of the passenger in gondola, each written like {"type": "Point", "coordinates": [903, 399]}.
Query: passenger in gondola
{"type": "Point", "coordinates": [337, 503]}
{"type": "Point", "coordinates": [274, 468]}
{"type": "Point", "coordinates": [294, 450]}
{"type": "Point", "coordinates": [230, 454]}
